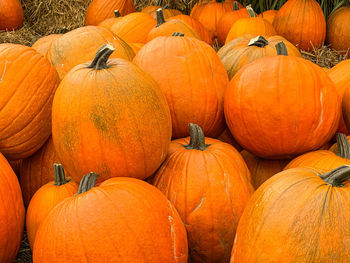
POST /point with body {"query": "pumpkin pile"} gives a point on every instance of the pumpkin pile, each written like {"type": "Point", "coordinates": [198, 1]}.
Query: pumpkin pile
{"type": "Point", "coordinates": [134, 140]}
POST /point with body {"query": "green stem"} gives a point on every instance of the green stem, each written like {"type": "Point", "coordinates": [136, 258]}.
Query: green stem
{"type": "Point", "coordinates": [281, 49]}
{"type": "Point", "coordinates": [343, 146]}
{"type": "Point", "coordinates": [177, 34]}
{"type": "Point", "coordinates": [250, 11]}
{"type": "Point", "coordinates": [235, 6]}
{"type": "Point", "coordinates": [101, 57]}
{"type": "Point", "coordinates": [258, 41]}
{"type": "Point", "coordinates": [197, 139]}
{"type": "Point", "coordinates": [58, 172]}
{"type": "Point", "coordinates": [117, 13]}
{"type": "Point", "coordinates": [338, 176]}
{"type": "Point", "coordinates": [160, 17]}
{"type": "Point", "coordinates": [87, 182]}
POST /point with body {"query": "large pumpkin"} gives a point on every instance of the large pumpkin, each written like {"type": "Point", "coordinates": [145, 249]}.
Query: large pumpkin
{"type": "Point", "coordinates": [11, 15]}
{"type": "Point", "coordinates": [109, 22]}
{"type": "Point", "coordinates": [282, 106]}
{"type": "Point", "coordinates": [99, 10]}
{"type": "Point", "coordinates": [227, 137]}
{"type": "Point", "coordinates": [346, 108]}
{"type": "Point", "coordinates": [122, 220]}
{"type": "Point", "coordinates": [80, 45]}
{"type": "Point", "coordinates": [299, 215]}
{"type": "Point", "coordinates": [302, 22]}
{"type": "Point", "coordinates": [27, 84]}
{"type": "Point", "coordinates": [244, 50]}
{"type": "Point", "coordinates": [42, 45]}
{"type": "Point", "coordinates": [192, 78]}
{"type": "Point", "coordinates": [269, 15]}
{"type": "Point", "coordinates": [110, 117]}
{"type": "Point", "coordinates": [46, 198]}
{"type": "Point", "coordinates": [208, 182]}
{"type": "Point", "coordinates": [11, 213]}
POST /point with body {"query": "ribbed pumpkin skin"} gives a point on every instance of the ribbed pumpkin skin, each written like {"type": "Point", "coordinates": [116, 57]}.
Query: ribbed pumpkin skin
{"type": "Point", "coordinates": [209, 189]}
{"type": "Point", "coordinates": [42, 45]}
{"type": "Point", "coordinates": [28, 83]}
{"type": "Point", "coordinates": [44, 200]}
{"type": "Point", "coordinates": [252, 26]}
{"type": "Point", "coordinates": [289, 97]}
{"type": "Point", "coordinates": [134, 27]}
{"type": "Point", "coordinates": [11, 15]}
{"type": "Point", "coordinates": [100, 10]}
{"type": "Point", "coordinates": [194, 94]}
{"type": "Point", "coordinates": [197, 27]}
{"type": "Point", "coordinates": [122, 220]}
{"type": "Point", "coordinates": [80, 45]}
{"type": "Point", "coordinates": [294, 217]}
{"type": "Point", "coordinates": [338, 28]}
{"type": "Point", "coordinates": [301, 22]}
{"type": "Point", "coordinates": [269, 15]}
{"type": "Point", "coordinates": [123, 129]}
{"type": "Point", "coordinates": [37, 170]}
{"type": "Point", "coordinates": [109, 22]}
{"type": "Point", "coordinates": [237, 53]}
{"type": "Point", "coordinates": [11, 213]}
{"type": "Point", "coordinates": [262, 169]}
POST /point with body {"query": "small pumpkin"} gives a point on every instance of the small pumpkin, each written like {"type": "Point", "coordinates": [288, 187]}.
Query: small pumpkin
{"type": "Point", "coordinates": [269, 15]}
{"type": "Point", "coordinates": [46, 198]}
{"type": "Point", "coordinates": [109, 22]}
{"type": "Point", "coordinates": [42, 45]}
{"type": "Point", "coordinates": [11, 15]}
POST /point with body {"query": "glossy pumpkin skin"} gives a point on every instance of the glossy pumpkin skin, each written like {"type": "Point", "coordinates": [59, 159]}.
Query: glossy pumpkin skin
{"type": "Point", "coordinates": [80, 45]}
{"type": "Point", "coordinates": [297, 217]}
{"type": "Point", "coordinates": [338, 28]}
{"type": "Point", "coordinates": [194, 94]}
{"type": "Point", "coordinates": [12, 213]}
{"type": "Point", "coordinates": [125, 206]}
{"type": "Point", "coordinates": [44, 200]}
{"type": "Point", "coordinates": [262, 169]}
{"type": "Point", "coordinates": [269, 15]}
{"type": "Point", "coordinates": [301, 22]}
{"type": "Point", "coordinates": [100, 10]}
{"type": "Point", "coordinates": [123, 129]}
{"type": "Point", "coordinates": [241, 51]}
{"type": "Point", "coordinates": [37, 170]}
{"type": "Point", "coordinates": [264, 110]}
{"type": "Point", "coordinates": [209, 189]}
{"type": "Point", "coordinates": [28, 83]}
{"type": "Point", "coordinates": [11, 15]}
{"type": "Point", "coordinates": [134, 28]}
{"type": "Point", "coordinates": [42, 45]}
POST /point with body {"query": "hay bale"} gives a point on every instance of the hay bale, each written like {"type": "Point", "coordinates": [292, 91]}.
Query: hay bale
{"type": "Point", "coordinates": [324, 56]}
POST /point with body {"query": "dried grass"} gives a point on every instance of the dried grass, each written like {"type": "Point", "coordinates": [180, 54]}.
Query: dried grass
{"type": "Point", "coordinates": [182, 5]}
{"type": "Point", "coordinates": [25, 254]}
{"type": "Point", "coordinates": [324, 56]}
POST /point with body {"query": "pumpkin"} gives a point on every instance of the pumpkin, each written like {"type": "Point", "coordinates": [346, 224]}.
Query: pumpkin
{"type": "Point", "coordinates": [149, 9]}
{"type": "Point", "coordinates": [299, 215]}
{"type": "Point", "coordinates": [12, 213]}
{"type": "Point", "coordinates": [301, 22]}
{"type": "Point", "coordinates": [99, 10]}
{"type": "Point", "coordinates": [11, 15]}
{"type": "Point", "coordinates": [253, 25]}
{"type": "Point", "coordinates": [227, 137]}
{"type": "Point", "coordinates": [136, 46]}
{"type": "Point", "coordinates": [196, 26]}
{"type": "Point", "coordinates": [244, 50]}
{"type": "Point", "coordinates": [264, 110]}
{"type": "Point", "coordinates": [80, 45]}
{"type": "Point", "coordinates": [42, 45]}
{"type": "Point", "coordinates": [194, 93]}
{"type": "Point", "coordinates": [27, 84]}
{"type": "Point", "coordinates": [345, 105]}
{"type": "Point", "coordinates": [122, 220]}
{"type": "Point", "coordinates": [262, 169]}
{"type": "Point", "coordinates": [46, 198]}
{"type": "Point", "coordinates": [168, 28]}
{"type": "Point", "coordinates": [337, 29]}
{"type": "Point", "coordinates": [15, 165]}
{"type": "Point", "coordinates": [208, 183]}
{"type": "Point", "coordinates": [228, 19]}
{"type": "Point", "coordinates": [269, 15]}
{"type": "Point", "coordinates": [124, 127]}
{"type": "Point", "coordinates": [167, 12]}
{"type": "Point", "coordinates": [134, 27]}
{"type": "Point", "coordinates": [109, 22]}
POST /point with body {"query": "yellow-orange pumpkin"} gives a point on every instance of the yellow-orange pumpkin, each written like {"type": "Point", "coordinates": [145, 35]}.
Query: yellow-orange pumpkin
{"type": "Point", "coordinates": [42, 45]}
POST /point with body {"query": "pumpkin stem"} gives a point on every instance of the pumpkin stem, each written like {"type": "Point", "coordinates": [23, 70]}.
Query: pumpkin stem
{"type": "Point", "coordinates": [197, 139]}
{"type": "Point", "coordinates": [343, 146]}
{"type": "Point", "coordinates": [258, 41]}
{"type": "Point", "coordinates": [101, 57]}
{"type": "Point", "coordinates": [117, 13]}
{"type": "Point", "coordinates": [281, 49]}
{"type": "Point", "coordinates": [160, 17]}
{"type": "Point", "coordinates": [235, 6]}
{"type": "Point", "coordinates": [250, 11]}
{"type": "Point", "coordinates": [338, 176]}
{"type": "Point", "coordinates": [87, 182]}
{"type": "Point", "coordinates": [58, 172]}
{"type": "Point", "coordinates": [177, 34]}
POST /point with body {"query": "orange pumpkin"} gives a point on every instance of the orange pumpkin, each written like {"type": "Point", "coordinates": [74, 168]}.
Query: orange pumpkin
{"type": "Point", "coordinates": [149, 9]}
{"type": "Point", "coordinates": [46, 198]}
{"type": "Point", "coordinates": [27, 84]}
{"type": "Point", "coordinates": [227, 137]}
{"type": "Point", "coordinates": [269, 15]}
{"type": "Point", "coordinates": [11, 15]}
{"type": "Point", "coordinates": [167, 12]}
{"type": "Point", "coordinates": [122, 220]}
{"type": "Point", "coordinates": [136, 46]}
{"type": "Point", "coordinates": [15, 165]}
{"type": "Point", "coordinates": [80, 45]}
{"type": "Point", "coordinates": [124, 128]}
{"type": "Point", "coordinates": [299, 215]}
{"type": "Point", "coordinates": [253, 25]}
{"type": "Point", "coordinates": [193, 93]}
{"type": "Point", "coordinates": [265, 110]}
{"type": "Point", "coordinates": [244, 50]}
{"type": "Point", "coordinates": [301, 22]}
{"type": "Point", "coordinates": [109, 22]}
{"type": "Point", "coordinates": [99, 10]}
{"type": "Point", "coordinates": [208, 183]}
{"type": "Point", "coordinates": [346, 108]}
{"type": "Point", "coordinates": [42, 45]}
